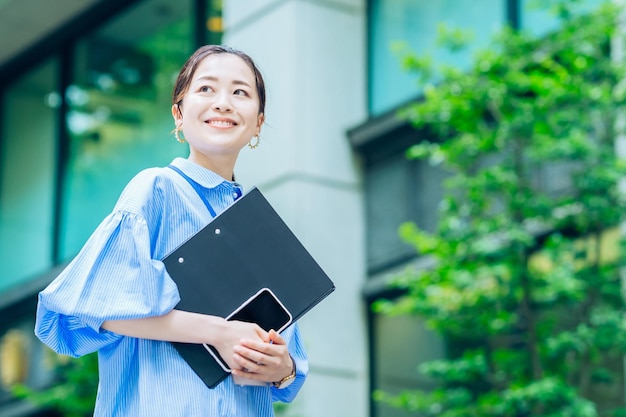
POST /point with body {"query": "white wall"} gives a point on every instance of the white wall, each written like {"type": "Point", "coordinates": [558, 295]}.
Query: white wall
{"type": "Point", "coordinates": [312, 55]}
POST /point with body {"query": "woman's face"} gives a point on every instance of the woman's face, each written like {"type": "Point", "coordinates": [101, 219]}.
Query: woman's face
{"type": "Point", "coordinates": [219, 113]}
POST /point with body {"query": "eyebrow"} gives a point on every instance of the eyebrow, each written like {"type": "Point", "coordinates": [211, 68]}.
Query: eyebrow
{"type": "Point", "coordinates": [215, 79]}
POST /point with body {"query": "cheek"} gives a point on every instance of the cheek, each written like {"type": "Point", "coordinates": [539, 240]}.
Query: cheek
{"type": "Point", "coordinates": [192, 107]}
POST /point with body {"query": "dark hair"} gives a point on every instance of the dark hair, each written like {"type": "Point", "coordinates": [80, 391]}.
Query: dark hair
{"type": "Point", "coordinates": [189, 68]}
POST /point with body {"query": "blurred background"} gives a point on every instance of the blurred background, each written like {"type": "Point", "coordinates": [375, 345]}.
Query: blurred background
{"type": "Point", "coordinates": [85, 90]}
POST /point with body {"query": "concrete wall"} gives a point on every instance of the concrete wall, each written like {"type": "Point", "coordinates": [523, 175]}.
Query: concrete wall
{"type": "Point", "coordinates": [312, 54]}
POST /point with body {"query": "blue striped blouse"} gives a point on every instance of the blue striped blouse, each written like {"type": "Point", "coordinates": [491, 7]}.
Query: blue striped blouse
{"type": "Point", "coordinates": [118, 275]}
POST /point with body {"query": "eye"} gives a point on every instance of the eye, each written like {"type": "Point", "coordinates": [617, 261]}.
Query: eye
{"type": "Point", "coordinates": [205, 89]}
{"type": "Point", "coordinates": [240, 92]}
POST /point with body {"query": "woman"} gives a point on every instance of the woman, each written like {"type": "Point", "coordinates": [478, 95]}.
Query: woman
{"type": "Point", "coordinates": [116, 296]}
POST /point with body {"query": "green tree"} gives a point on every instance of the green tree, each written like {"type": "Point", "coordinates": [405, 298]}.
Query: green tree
{"type": "Point", "coordinates": [526, 285]}
{"type": "Point", "coordinates": [74, 391]}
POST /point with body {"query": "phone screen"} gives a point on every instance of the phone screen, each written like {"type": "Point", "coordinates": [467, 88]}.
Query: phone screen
{"type": "Point", "coordinates": [265, 310]}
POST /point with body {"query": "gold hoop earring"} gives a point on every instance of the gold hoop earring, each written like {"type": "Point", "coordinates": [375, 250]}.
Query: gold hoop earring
{"type": "Point", "coordinates": [178, 137]}
{"type": "Point", "coordinates": [256, 142]}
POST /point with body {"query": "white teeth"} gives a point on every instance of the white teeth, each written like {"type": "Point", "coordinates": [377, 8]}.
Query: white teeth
{"type": "Point", "coordinates": [220, 123]}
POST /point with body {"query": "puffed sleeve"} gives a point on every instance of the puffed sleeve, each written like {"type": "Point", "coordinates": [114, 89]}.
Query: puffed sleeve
{"type": "Point", "coordinates": [298, 353]}
{"type": "Point", "coordinates": [112, 278]}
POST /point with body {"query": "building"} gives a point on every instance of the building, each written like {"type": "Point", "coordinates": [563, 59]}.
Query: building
{"type": "Point", "coordinates": [84, 104]}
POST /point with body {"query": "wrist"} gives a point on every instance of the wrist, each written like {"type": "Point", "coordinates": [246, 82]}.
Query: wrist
{"type": "Point", "coordinates": [213, 328]}
{"type": "Point", "coordinates": [288, 379]}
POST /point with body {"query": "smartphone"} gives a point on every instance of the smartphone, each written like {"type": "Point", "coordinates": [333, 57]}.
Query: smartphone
{"type": "Point", "coordinates": [264, 309]}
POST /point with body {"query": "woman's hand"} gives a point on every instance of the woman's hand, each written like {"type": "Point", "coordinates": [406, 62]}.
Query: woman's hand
{"type": "Point", "coordinates": [233, 333]}
{"type": "Point", "coordinates": [262, 361]}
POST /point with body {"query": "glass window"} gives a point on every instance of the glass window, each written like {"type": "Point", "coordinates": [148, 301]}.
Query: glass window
{"type": "Point", "coordinates": [119, 118]}
{"type": "Point", "coordinates": [387, 195]}
{"type": "Point", "coordinates": [539, 20]}
{"type": "Point", "coordinates": [415, 23]}
{"type": "Point", "coordinates": [399, 190]}
{"type": "Point", "coordinates": [401, 344]}
{"type": "Point", "coordinates": [27, 174]}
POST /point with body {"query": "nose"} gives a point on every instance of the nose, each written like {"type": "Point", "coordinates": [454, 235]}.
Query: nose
{"type": "Point", "coordinates": [222, 103]}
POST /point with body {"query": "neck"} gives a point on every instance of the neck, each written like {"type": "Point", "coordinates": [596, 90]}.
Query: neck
{"type": "Point", "coordinates": [223, 166]}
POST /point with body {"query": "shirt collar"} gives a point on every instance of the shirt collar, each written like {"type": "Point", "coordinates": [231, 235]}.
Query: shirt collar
{"type": "Point", "coordinates": [203, 176]}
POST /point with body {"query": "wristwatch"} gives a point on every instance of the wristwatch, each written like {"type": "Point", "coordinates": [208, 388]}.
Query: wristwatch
{"type": "Point", "coordinates": [286, 381]}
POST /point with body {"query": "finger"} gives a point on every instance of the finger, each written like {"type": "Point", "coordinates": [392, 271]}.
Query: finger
{"type": "Point", "coordinates": [263, 347]}
{"type": "Point", "coordinates": [248, 354]}
{"type": "Point", "coordinates": [254, 355]}
{"type": "Point", "coordinates": [249, 366]}
{"type": "Point", "coordinates": [257, 350]}
{"type": "Point", "coordinates": [276, 338]}
{"type": "Point", "coordinates": [248, 375]}
{"type": "Point", "coordinates": [262, 334]}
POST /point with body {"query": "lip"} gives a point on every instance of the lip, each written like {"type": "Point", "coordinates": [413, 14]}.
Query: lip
{"type": "Point", "coordinates": [221, 122]}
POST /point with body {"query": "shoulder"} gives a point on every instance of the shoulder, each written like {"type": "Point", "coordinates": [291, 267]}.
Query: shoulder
{"type": "Point", "coordinates": [151, 177]}
{"type": "Point", "coordinates": [147, 189]}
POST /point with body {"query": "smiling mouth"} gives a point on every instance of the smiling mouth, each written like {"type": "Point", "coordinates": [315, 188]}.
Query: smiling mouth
{"type": "Point", "coordinates": [221, 123]}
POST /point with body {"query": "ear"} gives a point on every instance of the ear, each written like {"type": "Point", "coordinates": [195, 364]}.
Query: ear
{"type": "Point", "coordinates": [259, 123]}
{"type": "Point", "coordinates": [177, 115]}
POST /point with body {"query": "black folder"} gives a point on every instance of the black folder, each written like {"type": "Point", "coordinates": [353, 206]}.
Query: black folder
{"type": "Point", "coordinates": [244, 249]}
